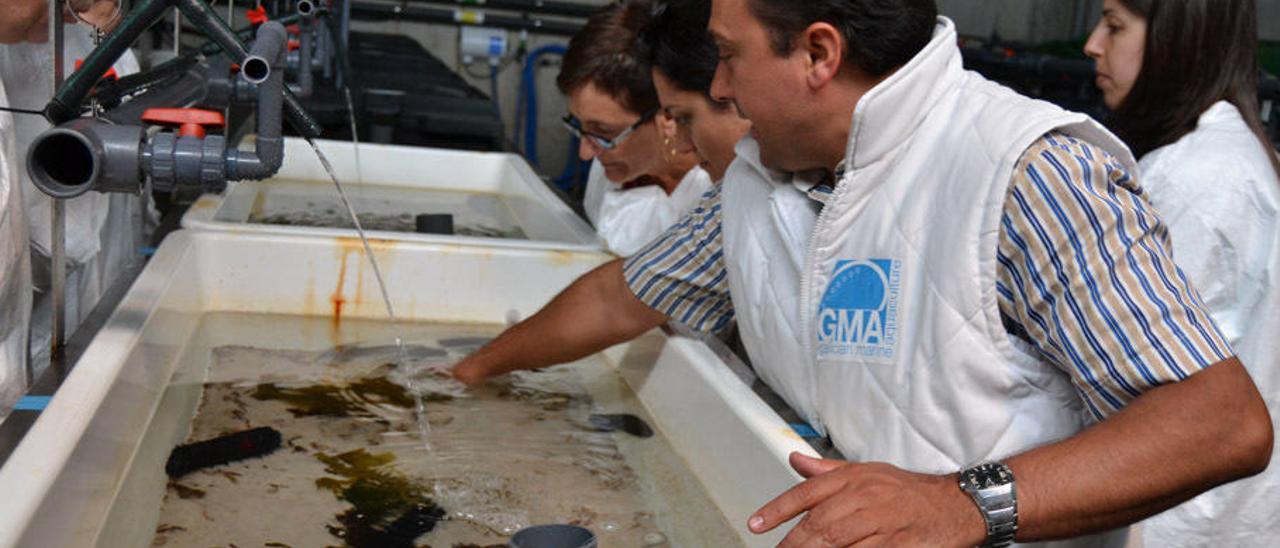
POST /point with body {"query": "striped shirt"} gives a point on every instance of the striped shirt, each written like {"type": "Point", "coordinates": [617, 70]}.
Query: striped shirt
{"type": "Point", "coordinates": [1085, 275]}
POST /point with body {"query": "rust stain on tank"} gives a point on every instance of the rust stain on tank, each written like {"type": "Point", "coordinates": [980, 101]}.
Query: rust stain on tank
{"type": "Point", "coordinates": [358, 298]}
{"type": "Point", "coordinates": [346, 246]}
{"type": "Point", "coordinates": [559, 257]}
{"type": "Point", "coordinates": [204, 202]}
{"type": "Point", "coordinates": [309, 294]}
{"type": "Point", "coordinates": [338, 298]}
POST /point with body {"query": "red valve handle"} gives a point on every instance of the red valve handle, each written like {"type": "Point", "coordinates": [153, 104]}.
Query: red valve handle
{"type": "Point", "coordinates": [191, 122]}
{"type": "Point", "coordinates": [294, 44]}
{"type": "Point", "coordinates": [257, 16]}
{"type": "Point", "coordinates": [110, 73]}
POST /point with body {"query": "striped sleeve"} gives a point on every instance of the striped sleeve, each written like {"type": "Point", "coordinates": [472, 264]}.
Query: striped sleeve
{"type": "Point", "coordinates": [1085, 273]}
{"type": "Point", "coordinates": [682, 273]}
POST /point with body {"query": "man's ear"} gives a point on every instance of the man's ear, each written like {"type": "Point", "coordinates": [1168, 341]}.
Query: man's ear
{"type": "Point", "coordinates": [823, 46]}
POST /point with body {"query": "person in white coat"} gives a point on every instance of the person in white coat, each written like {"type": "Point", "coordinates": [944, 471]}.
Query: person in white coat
{"type": "Point", "coordinates": [103, 231]}
{"type": "Point", "coordinates": [15, 269]}
{"type": "Point", "coordinates": [24, 28]}
{"type": "Point", "coordinates": [963, 287]}
{"type": "Point", "coordinates": [1182, 83]}
{"type": "Point", "coordinates": [628, 216]}
{"type": "Point", "coordinates": [641, 181]}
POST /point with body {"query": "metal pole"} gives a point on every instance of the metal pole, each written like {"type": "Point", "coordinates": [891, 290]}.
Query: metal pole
{"type": "Point", "coordinates": [231, 17]}
{"type": "Point", "coordinates": [344, 44]}
{"type": "Point", "coordinates": [57, 240]}
{"type": "Point", "coordinates": [177, 33]}
{"type": "Point", "coordinates": [543, 7]}
{"type": "Point", "coordinates": [423, 14]}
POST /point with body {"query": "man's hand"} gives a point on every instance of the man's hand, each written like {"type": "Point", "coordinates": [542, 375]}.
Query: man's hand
{"type": "Point", "coordinates": [850, 504]}
{"type": "Point", "coordinates": [470, 372]}
{"type": "Point", "coordinates": [596, 312]}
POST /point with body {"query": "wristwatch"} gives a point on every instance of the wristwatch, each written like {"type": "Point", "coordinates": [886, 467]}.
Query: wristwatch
{"type": "Point", "coordinates": [991, 486]}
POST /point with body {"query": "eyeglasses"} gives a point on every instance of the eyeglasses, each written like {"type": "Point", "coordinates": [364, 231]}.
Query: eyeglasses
{"type": "Point", "coordinates": [575, 128]}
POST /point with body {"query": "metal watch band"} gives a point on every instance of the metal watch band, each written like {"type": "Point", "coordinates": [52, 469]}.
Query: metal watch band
{"type": "Point", "coordinates": [991, 485]}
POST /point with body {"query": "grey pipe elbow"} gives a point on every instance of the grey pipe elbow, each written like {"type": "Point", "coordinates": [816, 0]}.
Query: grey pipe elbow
{"type": "Point", "coordinates": [86, 154]}
{"type": "Point", "coordinates": [265, 67]}
{"type": "Point", "coordinates": [306, 9]}
{"type": "Point", "coordinates": [268, 53]}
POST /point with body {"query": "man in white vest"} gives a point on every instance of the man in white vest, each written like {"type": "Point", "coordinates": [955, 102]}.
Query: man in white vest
{"type": "Point", "coordinates": [964, 288]}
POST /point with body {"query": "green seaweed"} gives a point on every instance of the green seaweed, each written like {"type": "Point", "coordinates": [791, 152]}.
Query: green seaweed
{"type": "Point", "coordinates": [388, 508]}
{"type": "Point", "coordinates": [309, 401]}
{"type": "Point", "coordinates": [339, 400]}
{"type": "Point", "coordinates": [387, 391]}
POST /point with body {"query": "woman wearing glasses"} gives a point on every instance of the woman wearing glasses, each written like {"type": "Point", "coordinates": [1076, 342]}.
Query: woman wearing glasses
{"type": "Point", "coordinates": [642, 181]}
{"type": "Point", "coordinates": [1181, 79]}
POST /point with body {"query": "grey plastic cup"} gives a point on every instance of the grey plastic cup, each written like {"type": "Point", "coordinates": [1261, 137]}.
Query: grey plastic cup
{"type": "Point", "coordinates": [553, 536]}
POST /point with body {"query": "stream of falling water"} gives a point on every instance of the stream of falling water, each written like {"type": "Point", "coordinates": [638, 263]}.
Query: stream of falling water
{"type": "Point", "coordinates": [355, 133]}
{"type": "Point", "coordinates": [420, 410]}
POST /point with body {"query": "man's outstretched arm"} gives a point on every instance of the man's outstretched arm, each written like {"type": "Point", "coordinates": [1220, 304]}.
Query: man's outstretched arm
{"type": "Point", "coordinates": [680, 275]}
{"type": "Point", "coordinates": [596, 312]}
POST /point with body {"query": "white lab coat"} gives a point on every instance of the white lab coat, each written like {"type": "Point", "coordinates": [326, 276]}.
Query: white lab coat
{"type": "Point", "coordinates": [1219, 195]}
{"type": "Point", "coordinates": [103, 231]}
{"type": "Point", "coordinates": [15, 272]}
{"type": "Point", "coordinates": [627, 219]}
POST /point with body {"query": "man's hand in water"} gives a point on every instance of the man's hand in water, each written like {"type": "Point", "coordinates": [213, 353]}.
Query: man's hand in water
{"type": "Point", "coordinates": [595, 312]}
{"type": "Point", "coordinates": [470, 372]}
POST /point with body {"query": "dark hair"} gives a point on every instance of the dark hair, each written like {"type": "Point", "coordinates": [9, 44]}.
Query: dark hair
{"type": "Point", "coordinates": [880, 35]}
{"type": "Point", "coordinates": [1198, 52]}
{"type": "Point", "coordinates": [680, 46]}
{"type": "Point", "coordinates": [609, 53]}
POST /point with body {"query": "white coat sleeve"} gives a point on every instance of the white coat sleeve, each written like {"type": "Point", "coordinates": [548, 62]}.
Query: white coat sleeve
{"type": "Point", "coordinates": [1216, 228]}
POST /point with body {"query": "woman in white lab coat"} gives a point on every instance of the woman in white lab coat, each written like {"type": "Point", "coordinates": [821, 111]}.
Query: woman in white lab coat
{"type": "Point", "coordinates": [20, 21]}
{"type": "Point", "coordinates": [104, 231]}
{"type": "Point", "coordinates": [642, 180]}
{"type": "Point", "coordinates": [24, 28]}
{"type": "Point", "coordinates": [1181, 80]}
{"type": "Point", "coordinates": [15, 270]}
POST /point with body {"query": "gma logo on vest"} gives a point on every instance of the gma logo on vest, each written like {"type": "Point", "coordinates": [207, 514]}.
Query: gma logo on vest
{"type": "Point", "coordinates": [858, 315]}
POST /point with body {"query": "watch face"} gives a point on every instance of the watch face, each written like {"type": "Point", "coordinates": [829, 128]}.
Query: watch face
{"type": "Point", "coordinates": [988, 475]}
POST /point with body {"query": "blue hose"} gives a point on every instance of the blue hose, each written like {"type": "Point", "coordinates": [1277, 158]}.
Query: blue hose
{"type": "Point", "coordinates": [528, 111]}
{"type": "Point", "coordinates": [527, 119]}
{"type": "Point", "coordinates": [493, 94]}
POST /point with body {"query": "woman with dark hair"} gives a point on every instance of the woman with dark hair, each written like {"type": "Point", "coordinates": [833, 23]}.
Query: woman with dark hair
{"type": "Point", "coordinates": [1182, 81]}
{"type": "Point", "coordinates": [641, 182]}
{"type": "Point", "coordinates": [684, 64]}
